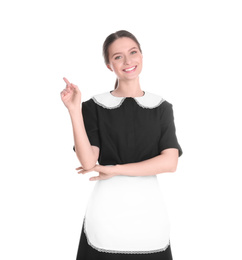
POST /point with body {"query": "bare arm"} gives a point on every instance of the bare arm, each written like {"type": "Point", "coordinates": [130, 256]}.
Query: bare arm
{"type": "Point", "coordinates": [165, 162]}
{"type": "Point", "coordinates": [86, 153]}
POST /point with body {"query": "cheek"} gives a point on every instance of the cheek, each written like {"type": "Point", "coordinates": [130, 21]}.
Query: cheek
{"type": "Point", "coordinates": [116, 67]}
{"type": "Point", "coordinates": [140, 59]}
{"type": "Point", "coordinates": [113, 67]}
{"type": "Point", "coordinates": [137, 59]}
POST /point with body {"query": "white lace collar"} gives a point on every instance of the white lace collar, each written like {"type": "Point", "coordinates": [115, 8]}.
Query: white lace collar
{"type": "Point", "coordinates": [109, 101]}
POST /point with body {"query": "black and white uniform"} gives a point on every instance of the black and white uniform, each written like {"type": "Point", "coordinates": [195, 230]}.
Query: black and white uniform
{"type": "Point", "coordinates": [125, 216]}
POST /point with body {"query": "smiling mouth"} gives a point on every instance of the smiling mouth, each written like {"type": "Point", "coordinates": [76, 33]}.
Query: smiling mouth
{"type": "Point", "coordinates": [131, 69]}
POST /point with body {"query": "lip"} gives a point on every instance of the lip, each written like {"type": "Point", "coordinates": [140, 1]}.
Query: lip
{"type": "Point", "coordinates": [130, 69]}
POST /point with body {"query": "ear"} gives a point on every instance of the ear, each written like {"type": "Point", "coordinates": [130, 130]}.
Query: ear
{"type": "Point", "coordinates": [109, 67]}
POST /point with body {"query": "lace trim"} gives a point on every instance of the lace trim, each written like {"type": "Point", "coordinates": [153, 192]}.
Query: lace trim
{"type": "Point", "coordinates": [162, 100]}
{"type": "Point", "coordinates": [122, 252]}
{"type": "Point", "coordinates": [102, 105]}
{"type": "Point", "coordinates": [122, 100]}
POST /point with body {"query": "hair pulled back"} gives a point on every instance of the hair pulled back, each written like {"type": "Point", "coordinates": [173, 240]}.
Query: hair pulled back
{"type": "Point", "coordinates": [113, 37]}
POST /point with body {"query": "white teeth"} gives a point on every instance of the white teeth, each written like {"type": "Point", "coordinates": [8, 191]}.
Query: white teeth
{"type": "Point", "coordinates": [130, 69]}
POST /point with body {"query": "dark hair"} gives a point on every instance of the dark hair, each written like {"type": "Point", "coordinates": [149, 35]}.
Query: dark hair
{"type": "Point", "coordinates": [113, 37]}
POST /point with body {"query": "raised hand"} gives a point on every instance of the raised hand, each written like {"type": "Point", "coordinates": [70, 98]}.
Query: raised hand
{"type": "Point", "coordinates": [71, 96]}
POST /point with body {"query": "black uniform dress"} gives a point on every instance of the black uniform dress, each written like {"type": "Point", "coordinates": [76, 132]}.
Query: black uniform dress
{"type": "Point", "coordinates": [126, 218]}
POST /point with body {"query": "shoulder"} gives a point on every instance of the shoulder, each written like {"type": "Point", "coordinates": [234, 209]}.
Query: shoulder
{"type": "Point", "coordinates": [96, 99]}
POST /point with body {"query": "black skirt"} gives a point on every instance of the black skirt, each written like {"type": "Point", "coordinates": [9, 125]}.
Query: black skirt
{"type": "Point", "coordinates": [87, 252]}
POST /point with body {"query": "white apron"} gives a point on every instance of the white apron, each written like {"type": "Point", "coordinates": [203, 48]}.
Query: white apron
{"type": "Point", "coordinates": [127, 214]}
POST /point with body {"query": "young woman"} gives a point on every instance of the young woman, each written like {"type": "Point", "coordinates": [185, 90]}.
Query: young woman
{"type": "Point", "coordinates": [131, 133]}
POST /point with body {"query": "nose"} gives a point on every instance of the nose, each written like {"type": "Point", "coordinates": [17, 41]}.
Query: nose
{"type": "Point", "coordinates": [127, 60]}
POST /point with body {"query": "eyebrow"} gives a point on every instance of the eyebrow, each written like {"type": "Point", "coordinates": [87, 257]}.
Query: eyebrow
{"type": "Point", "coordinates": [121, 52]}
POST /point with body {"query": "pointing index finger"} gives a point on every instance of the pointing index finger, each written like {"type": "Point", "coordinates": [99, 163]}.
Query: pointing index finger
{"type": "Point", "coordinates": [66, 81]}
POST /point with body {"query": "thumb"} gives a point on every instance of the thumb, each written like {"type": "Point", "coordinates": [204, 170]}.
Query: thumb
{"type": "Point", "coordinates": [74, 86]}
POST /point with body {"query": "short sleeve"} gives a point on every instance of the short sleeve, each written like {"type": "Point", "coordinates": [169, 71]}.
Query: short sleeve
{"type": "Point", "coordinates": [168, 138]}
{"type": "Point", "coordinates": [91, 122]}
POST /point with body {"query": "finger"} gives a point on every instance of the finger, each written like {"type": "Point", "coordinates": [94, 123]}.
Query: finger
{"type": "Point", "coordinates": [63, 93]}
{"type": "Point", "coordinates": [74, 86]}
{"type": "Point", "coordinates": [66, 81]}
{"type": "Point", "coordinates": [82, 171]}
{"type": "Point", "coordinates": [94, 178]}
{"type": "Point", "coordinates": [68, 89]}
{"type": "Point", "coordinates": [79, 168]}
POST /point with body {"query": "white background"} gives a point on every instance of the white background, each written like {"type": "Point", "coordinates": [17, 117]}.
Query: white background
{"type": "Point", "coordinates": [192, 57]}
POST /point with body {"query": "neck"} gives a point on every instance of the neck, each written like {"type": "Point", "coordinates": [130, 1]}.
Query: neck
{"type": "Point", "coordinates": [128, 89]}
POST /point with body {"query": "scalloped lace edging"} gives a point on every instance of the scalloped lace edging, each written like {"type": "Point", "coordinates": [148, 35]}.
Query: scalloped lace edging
{"type": "Point", "coordinates": [123, 252]}
{"type": "Point", "coordinates": [151, 107]}
{"type": "Point", "coordinates": [122, 100]}
{"type": "Point", "coordinates": [104, 106]}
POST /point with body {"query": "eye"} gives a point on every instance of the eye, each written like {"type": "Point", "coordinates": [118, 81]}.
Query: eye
{"type": "Point", "coordinates": [133, 52]}
{"type": "Point", "coordinates": [117, 57]}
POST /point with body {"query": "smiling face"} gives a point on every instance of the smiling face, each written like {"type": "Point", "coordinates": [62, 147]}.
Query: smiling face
{"type": "Point", "coordinates": [125, 58]}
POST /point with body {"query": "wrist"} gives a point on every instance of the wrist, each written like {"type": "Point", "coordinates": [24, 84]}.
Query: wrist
{"type": "Point", "coordinates": [74, 110]}
{"type": "Point", "coordinates": [118, 169]}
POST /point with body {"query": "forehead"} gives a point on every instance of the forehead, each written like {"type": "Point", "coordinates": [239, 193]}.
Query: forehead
{"type": "Point", "coordinates": [121, 45]}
